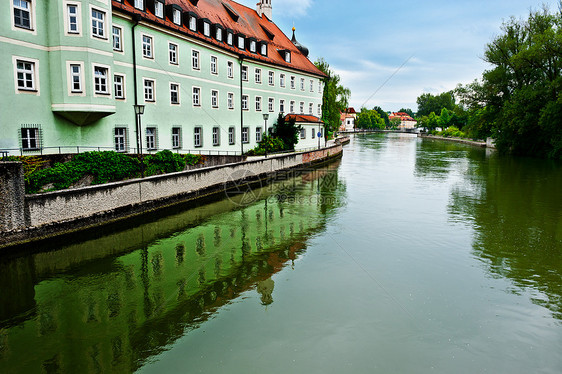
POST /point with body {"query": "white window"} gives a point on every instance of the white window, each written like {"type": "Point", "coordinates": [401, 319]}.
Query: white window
{"type": "Point", "coordinates": [271, 78]}
{"type": "Point", "coordinates": [98, 23]}
{"type": "Point", "coordinates": [258, 134]}
{"type": "Point", "coordinates": [176, 137]}
{"type": "Point", "coordinates": [271, 104]}
{"type": "Point", "coordinates": [253, 47]}
{"type": "Point", "coordinates": [292, 107]}
{"type": "Point", "coordinates": [197, 134]}
{"type": "Point", "coordinates": [303, 133]}
{"type": "Point", "coordinates": [30, 139]}
{"type": "Point", "coordinates": [230, 100]}
{"type": "Point", "coordinates": [25, 71]}
{"type": "Point", "coordinates": [139, 4]}
{"type": "Point", "coordinates": [288, 57]}
{"type": "Point", "coordinates": [215, 99]}
{"type": "Point", "coordinates": [195, 60]}
{"type": "Point", "coordinates": [230, 69]}
{"type": "Point", "coordinates": [219, 34]}
{"type": "Point", "coordinates": [282, 106]}
{"type": "Point", "coordinates": [310, 108]}
{"type": "Point", "coordinates": [301, 107]}
{"type": "Point", "coordinates": [120, 136]}
{"type": "Point", "coordinates": [320, 86]}
{"type": "Point", "coordinates": [159, 9]}
{"type": "Point", "coordinates": [231, 135]}
{"type": "Point", "coordinates": [258, 103]}
{"type": "Point", "coordinates": [147, 46]}
{"type": "Point", "coordinates": [311, 85]}
{"type": "Point", "coordinates": [257, 75]}
{"type": "Point", "coordinates": [22, 13]}
{"type": "Point", "coordinates": [192, 23]}
{"type": "Point", "coordinates": [216, 136]}
{"type": "Point", "coordinates": [282, 80]}
{"type": "Point", "coordinates": [100, 80]}
{"type": "Point", "coordinates": [302, 84]}
{"type": "Point", "coordinates": [292, 82]}
{"type": "Point", "coordinates": [176, 16]}
{"type": "Point", "coordinates": [119, 86]}
{"type": "Point", "coordinates": [148, 90]}
{"type": "Point", "coordinates": [117, 38]}
{"type": "Point", "coordinates": [196, 96]}
{"type": "Point", "coordinates": [241, 42]}
{"type": "Point", "coordinates": [313, 134]}
{"type": "Point", "coordinates": [214, 65]}
{"type": "Point", "coordinates": [245, 133]}
{"type": "Point", "coordinates": [244, 73]}
{"type": "Point", "coordinates": [319, 110]}
{"type": "Point", "coordinates": [174, 93]}
{"type": "Point", "coordinates": [244, 102]}
{"type": "Point", "coordinates": [206, 29]}
{"type": "Point", "coordinates": [73, 18]}
{"type": "Point", "coordinates": [75, 78]}
{"type": "Point", "coordinates": [229, 38]}
{"type": "Point", "coordinates": [173, 53]}
{"type": "Point", "coordinates": [151, 138]}
{"type": "Point", "coordinates": [264, 49]}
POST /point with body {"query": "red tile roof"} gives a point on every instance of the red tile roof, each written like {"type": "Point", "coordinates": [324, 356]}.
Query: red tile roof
{"type": "Point", "coordinates": [302, 118]}
{"type": "Point", "coordinates": [249, 23]}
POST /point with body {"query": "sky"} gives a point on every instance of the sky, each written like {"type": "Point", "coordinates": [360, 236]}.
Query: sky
{"type": "Point", "coordinates": [390, 52]}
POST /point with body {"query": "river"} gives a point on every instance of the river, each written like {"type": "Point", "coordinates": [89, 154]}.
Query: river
{"type": "Point", "coordinates": [407, 256]}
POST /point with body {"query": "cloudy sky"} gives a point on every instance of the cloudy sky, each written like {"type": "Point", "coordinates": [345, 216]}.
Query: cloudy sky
{"type": "Point", "coordinates": [438, 43]}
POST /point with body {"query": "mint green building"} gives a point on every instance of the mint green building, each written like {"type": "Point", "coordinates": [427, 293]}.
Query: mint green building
{"type": "Point", "coordinates": [204, 71]}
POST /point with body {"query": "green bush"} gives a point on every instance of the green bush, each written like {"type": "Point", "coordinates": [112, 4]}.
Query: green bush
{"type": "Point", "coordinates": [272, 143]}
{"type": "Point", "coordinates": [163, 162]}
{"type": "Point", "coordinates": [452, 132]}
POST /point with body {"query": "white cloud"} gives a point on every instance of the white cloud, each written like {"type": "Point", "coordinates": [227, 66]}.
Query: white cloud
{"type": "Point", "coordinates": [284, 8]}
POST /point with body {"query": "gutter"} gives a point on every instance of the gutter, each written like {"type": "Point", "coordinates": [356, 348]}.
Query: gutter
{"type": "Point", "coordinates": [136, 20]}
{"type": "Point", "coordinates": [241, 60]}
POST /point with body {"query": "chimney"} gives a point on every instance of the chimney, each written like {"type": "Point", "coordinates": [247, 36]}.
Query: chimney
{"type": "Point", "coordinates": [264, 8]}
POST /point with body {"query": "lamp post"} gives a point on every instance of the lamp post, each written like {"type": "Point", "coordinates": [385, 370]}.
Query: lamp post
{"type": "Point", "coordinates": [139, 111]}
{"type": "Point", "coordinates": [265, 118]}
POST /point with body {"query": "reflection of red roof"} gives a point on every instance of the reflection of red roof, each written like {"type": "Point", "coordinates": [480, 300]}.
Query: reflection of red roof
{"type": "Point", "coordinates": [249, 23]}
{"type": "Point", "coordinates": [301, 118]}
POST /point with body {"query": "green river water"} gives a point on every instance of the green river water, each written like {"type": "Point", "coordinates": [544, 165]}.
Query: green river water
{"type": "Point", "coordinates": [407, 256]}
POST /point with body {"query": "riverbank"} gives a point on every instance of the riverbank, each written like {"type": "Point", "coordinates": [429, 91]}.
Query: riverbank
{"type": "Point", "coordinates": [43, 216]}
{"type": "Point", "coordinates": [475, 143]}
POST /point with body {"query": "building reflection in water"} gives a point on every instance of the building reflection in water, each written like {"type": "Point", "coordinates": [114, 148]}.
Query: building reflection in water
{"type": "Point", "coordinates": [108, 304]}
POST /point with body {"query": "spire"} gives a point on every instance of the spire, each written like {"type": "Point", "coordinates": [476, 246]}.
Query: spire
{"type": "Point", "coordinates": [299, 46]}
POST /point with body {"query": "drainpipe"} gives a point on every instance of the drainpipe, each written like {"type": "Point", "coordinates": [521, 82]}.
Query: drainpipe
{"type": "Point", "coordinates": [136, 19]}
{"type": "Point", "coordinates": [241, 60]}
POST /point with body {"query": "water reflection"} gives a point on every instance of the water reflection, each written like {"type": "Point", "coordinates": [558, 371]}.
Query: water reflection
{"type": "Point", "coordinates": [106, 305]}
{"type": "Point", "coordinates": [515, 207]}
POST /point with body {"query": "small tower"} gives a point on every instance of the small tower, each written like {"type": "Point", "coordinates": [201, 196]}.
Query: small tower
{"type": "Point", "coordinates": [264, 8]}
{"type": "Point", "coordinates": [299, 46]}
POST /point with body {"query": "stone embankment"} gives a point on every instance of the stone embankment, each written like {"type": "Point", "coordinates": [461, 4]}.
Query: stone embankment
{"type": "Point", "coordinates": [27, 218]}
{"type": "Point", "coordinates": [458, 140]}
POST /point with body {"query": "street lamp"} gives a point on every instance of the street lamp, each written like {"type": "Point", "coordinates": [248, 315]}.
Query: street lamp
{"type": "Point", "coordinates": [139, 111]}
{"type": "Point", "coordinates": [265, 118]}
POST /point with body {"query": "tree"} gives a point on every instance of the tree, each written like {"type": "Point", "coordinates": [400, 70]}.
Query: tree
{"type": "Point", "coordinates": [408, 111]}
{"type": "Point", "coordinates": [287, 131]}
{"type": "Point", "coordinates": [383, 115]}
{"type": "Point", "coordinates": [428, 103]}
{"type": "Point", "coordinates": [369, 119]}
{"type": "Point", "coordinates": [335, 99]}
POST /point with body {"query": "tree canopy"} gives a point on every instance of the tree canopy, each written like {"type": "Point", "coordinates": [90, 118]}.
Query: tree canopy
{"type": "Point", "coordinates": [428, 103]}
{"type": "Point", "coordinates": [335, 99]}
{"type": "Point", "coordinates": [369, 119]}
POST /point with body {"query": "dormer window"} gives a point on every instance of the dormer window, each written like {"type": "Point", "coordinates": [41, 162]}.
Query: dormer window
{"type": "Point", "coordinates": [159, 9]}
{"type": "Point", "coordinates": [192, 23]}
{"type": "Point", "coordinates": [253, 46]}
{"type": "Point", "coordinates": [241, 42]}
{"type": "Point", "coordinates": [176, 16]}
{"type": "Point", "coordinates": [288, 56]}
{"type": "Point", "coordinates": [206, 29]}
{"type": "Point", "coordinates": [263, 49]}
{"type": "Point", "coordinates": [218, 33]}
{"type": "Point", "coordinates": [229, 38]}
{"type": "Point", "coordinates": [139, 4]}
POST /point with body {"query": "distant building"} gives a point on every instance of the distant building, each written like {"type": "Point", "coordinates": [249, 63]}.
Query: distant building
{"type": "Point", "coordinates": [406, 121]}
{"type": "Point", "coordinates": [347, 120]}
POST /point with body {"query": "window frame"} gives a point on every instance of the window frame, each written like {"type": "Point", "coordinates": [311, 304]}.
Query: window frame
{"type": "Point", "coordinates": [36, 138]}
{"type": "Point", "coordinates": [230, 100]}
{"type": "Point", "coordinates": [198, 136]}
{"type": "Point", "coordinates": [282, 105]}
{"type": "Point", "coordinates": [136, 4]}
{"type": "Point", "coordinates": [74, 75]}
{"type": "Point", "coordinates": [282, 82]}
{"type": "Point", "coordinates": [173, 53]}
{"type": "Point", "coordinates": [245, 137]}
{"type": "Point", "coordinates": [230, 69]}
{"type": "Point", "coordinates": [176, 92]}
{"type": "Point", "coordinates": [195, 59]}
{"type": "Point", "coordinates": [258, 102]}
{"type": "Point", "coordinates": [214, 65]}
{"type": "Point", "coordinates": [245, 73]}
{"type": "Point", "coordinates": [245, 102]}
{"type": "Point", "coordinates": [98, 24]}
{"type": "Point", "coordinates": [271, 104]}
{"type": "Point", "coordinates": [176, 138]}
{"type": "Point", "coordinates": [122, 84]}
{"type": "Point", "coordinates": [216, 136]}
{"type": "Point", "coordinates": [119, 47]}
{"type": "Point", "coordinates": [161, 8]}
{"type": "Point", "coordinates": [120, 146]}
{"type": "Point", "coordinates": [232, 135]}
{"type": "Point", "coordinates": [257, 75]}
{"type": "Point", "coordinates": [196, 96]}
{"type": "Point", "coordinates": [149, 90]}
{"type": "Point", "coordinates": [151, 132]}
{"type": "Point", "coordinates": [147, 46]}
{"type": "Point", "coordinates": [259, 134]}
{"type": "Point", "coordinates": [30, 15]}
{"type": "Point", "coordinates": [69, 17]}
{"type": "Point", "coordinates": [98, 80]}
{"type": "Point", "coordinates": [214, 99]}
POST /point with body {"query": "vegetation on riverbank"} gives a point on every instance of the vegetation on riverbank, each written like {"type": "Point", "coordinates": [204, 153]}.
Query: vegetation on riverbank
{"type": "Point", "coordinates": [92, 168]}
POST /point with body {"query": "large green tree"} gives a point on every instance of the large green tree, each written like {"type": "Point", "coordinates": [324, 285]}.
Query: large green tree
{"type": "Point", "coordinates": [520, 97]}
{"type": "Point", "coordinates": [428, 103]}
{"type": "Point", "coordinates": [383, 115]}
{"type": "Point", "coordinates": [369, 119]}
{"type": "Point", "coordinates": [335, 99]}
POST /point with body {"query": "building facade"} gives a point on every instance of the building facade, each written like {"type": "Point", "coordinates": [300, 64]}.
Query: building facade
{"type": "Point", "coordinates": [347, 120]}
{"type": "Point", "coordinates": [406, 121]}
{"type": "Point", "coordinates": [205, 72]}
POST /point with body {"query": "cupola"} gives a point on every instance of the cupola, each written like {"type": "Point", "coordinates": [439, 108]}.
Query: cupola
{"type": "Point", "coordinates": [299, 46]}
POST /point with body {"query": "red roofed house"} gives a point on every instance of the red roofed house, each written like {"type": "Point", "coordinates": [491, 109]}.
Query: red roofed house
{"type": "Point", "coordinates": [347, 119]}
{"type": "Point", "coordinates": [406, 121]}
{"type": "Point", "coordinates": [204, 71]}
